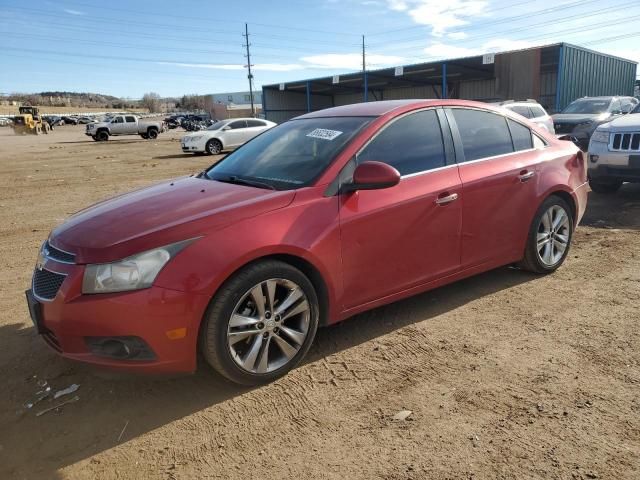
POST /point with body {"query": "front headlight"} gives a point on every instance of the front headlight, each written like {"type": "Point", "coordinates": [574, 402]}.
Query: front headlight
{"type": "Point", "coordinates": [132, 273]}
{"type": "Point", "coordinates": [600, 136]}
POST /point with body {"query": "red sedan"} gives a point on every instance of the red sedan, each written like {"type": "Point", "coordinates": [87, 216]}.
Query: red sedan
{"type": "Point", "coordinates": [324, 216]}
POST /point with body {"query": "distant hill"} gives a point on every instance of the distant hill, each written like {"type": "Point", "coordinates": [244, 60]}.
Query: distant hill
{"type": "Point", "coordinates": [71, 99]}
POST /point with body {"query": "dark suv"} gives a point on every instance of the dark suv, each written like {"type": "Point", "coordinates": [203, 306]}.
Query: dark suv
{"type": "Point", "coordinates": [582, 116]}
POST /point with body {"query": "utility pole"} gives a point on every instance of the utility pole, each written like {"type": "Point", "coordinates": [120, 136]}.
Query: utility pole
{"type": "Point", "coordinates": [250, 75]}
{"type": "Point", "coordinates": [364, 72]}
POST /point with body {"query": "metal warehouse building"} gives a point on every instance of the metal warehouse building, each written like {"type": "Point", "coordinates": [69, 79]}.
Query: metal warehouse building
{"type": "Point", "coordinates": [555, 75]}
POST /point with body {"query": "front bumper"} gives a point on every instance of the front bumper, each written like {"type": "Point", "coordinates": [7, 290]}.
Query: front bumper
{"type": "Point", "coordinates": [189, 147]}
{"type": "Point", "coordinates": [604, 164]}
{"type": "Point", "coordinates": [166, 320]}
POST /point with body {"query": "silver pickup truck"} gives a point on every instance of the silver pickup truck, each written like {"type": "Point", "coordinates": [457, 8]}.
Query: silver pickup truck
{"type": "Point", "coordinates": [124, 125]}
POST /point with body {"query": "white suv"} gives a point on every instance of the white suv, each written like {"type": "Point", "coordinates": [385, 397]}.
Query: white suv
{"type": "Point", "coordinates": [531, 110]}
{"type": "Point", "coordinates": [224, 135]}
{"type": "Point", "coordinates": [614, 153]}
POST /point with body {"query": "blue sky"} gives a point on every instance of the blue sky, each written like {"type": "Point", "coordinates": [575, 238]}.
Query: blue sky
{"type": "Point", "coordinates": [124, 48]}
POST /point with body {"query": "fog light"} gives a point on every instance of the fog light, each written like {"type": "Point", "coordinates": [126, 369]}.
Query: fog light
{"type": "Point", "coordinates": [120, 348]}
{"type": "Point", "coordinates": [594, 158]}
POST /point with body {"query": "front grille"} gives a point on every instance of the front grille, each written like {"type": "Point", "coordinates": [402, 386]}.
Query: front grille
{"type": "Point", "coordinates": [563, 127]}
{"type": "Point", "coordinates": [625, 142]}
{"type": "Point", "coordinates": [46, 284]}
{"type": "Point", "coordinates": [59, 255]}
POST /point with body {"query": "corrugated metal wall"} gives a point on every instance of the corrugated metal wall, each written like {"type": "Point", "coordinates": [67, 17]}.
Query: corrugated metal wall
{"type": "Point", "coordinates": [586, 73]}
{"type": "Point", "coordinates": [574, 73]}
{"type": "Point", "coordinates": [284, 105]}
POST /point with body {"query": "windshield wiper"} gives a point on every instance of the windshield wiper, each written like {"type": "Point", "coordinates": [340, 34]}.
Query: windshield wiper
{"type": "Point", "coordinates": [244, 181]}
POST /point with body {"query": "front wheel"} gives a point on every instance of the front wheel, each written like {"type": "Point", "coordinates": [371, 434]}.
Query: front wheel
{"type": "Point", "coordinates": [549, 236]}
{"type": "Point", "coordinates": [605, 186]}
{"type": "Point", "coordinates": [102, 136]}
{"type": "Point", "coordinates": [261, 323]}
{"type": "Point", "coordinates": [152, 134]}
{"type": "Point", "coordinates": [214, 147]}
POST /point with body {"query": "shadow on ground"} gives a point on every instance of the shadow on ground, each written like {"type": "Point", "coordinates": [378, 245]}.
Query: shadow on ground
{"type": "Point", "coordinates": [38, 447]}
{"type": "Point", "coordinates": [615, 210]}
{"type": "Point", "coordinates": [108, 401]}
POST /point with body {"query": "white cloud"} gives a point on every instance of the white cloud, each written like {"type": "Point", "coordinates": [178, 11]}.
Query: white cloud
{"type": "Point", "coordinates": [350, 61]}
{"type": "Point", "coordinates": [73, 12]}
{"type": "Point", "coordinates": [457, 35]}
{"type": "Point", "coordinates": [439, 15]}
{"type": "Point", "coordinates": [441, 50]}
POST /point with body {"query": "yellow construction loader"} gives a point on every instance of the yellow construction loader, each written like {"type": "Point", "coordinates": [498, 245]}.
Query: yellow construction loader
{"type": "Point", "coordinates": [30, 121]}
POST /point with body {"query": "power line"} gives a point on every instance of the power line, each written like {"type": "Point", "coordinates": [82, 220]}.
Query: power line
{"type": "Point", "coordinates": [535, 13]}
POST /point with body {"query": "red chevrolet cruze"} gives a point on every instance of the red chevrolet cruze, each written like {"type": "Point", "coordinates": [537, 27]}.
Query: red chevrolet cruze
{"type": "Point", "coordinates": [321, 217]}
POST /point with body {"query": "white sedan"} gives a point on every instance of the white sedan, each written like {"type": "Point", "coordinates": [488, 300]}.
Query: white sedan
{"type": "Point", "coordinates": [224, 135]}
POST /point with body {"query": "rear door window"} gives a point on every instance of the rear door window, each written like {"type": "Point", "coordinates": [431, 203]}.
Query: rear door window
{"type": "Point", "coordinates": [255, 123]}
{"type": "Point", "coordinates": [410, 144]}
{"type": "Point", "coordinates": [537, 111]}
{"type": "Point", "coordinates": [131, 119]}
{"type": "Point", "coordinates": [484, 134]}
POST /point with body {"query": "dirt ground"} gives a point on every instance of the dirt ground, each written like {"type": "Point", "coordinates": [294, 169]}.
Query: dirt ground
{"type": "Point", "coordinates": [508, 375]}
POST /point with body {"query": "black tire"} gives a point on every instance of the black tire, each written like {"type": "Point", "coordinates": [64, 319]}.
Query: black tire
{"type": "Point", "coordinates": [95, 139]}
{"type": "Point", "coordinates": [152, 134]}
{"type": "Point", "coordinates": [145, 136]}
{"type": "Point", "coordinates": [213, 332]}
{"type": "Point", "coordinates": [532, 259]}
{"type": "Point", "coordinates": [102, 136]}
{"type": "Point", "coordinates": [214, 147]}
{"type": "Point", "coordinates": [605, 186]}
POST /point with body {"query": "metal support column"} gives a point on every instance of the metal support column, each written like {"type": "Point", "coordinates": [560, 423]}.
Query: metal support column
{"type": "Point", "coordinates": [445, 89]}
{"type": "Point", "coordinates": [308, 96]}
{"type": "Point", "coordinates": [559, 78]}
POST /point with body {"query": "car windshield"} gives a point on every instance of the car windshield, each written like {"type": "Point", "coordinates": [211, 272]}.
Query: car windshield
{"type": "Point", "coordinates": [290, 155]}
{"type": "Point", "coordinates": [636, 109]}
{"type": "Point", "coordinates": [587, 106]}
{"type": "Point", "coordinates": [216, 126]}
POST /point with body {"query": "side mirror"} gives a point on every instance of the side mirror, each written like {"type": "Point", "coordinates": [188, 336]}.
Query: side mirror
{"type": "Point", "coordinates": [225, 128]}
{"type": "Point", "coordinates": [373, 176]}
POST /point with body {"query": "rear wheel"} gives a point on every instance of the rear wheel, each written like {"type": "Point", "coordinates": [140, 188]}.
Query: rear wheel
{"type": "Point", "coordinates": [605, 186]}
{"type": "Point", "coordinates": [549, 236]}
{"type": "Point", "coordinates": [261, 323]}
{"type": "Point", "coordinates": [214, 147]}
{"type": "Point", "coordinates": [37, 130]}
{"type": "Point", "coordinates": [144, 135]}
{"type": "Point", "coordinates": [152, 134]}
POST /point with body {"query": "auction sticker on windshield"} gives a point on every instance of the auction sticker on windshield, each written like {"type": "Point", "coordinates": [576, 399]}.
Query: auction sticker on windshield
{"type": "Point", "coordinates": [324, 134]}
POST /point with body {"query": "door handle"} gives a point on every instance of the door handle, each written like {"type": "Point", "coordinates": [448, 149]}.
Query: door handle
{"type": "Point", "coordinates": [443, 200]}
{"type": "Point", "coordinates": [526, 175]}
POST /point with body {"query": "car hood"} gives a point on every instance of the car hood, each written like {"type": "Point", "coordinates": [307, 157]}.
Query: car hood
{"type": "Point", "coordinates": [625, 123]}
{"type": "Point", "coordinates": [160, 215]}
{"type": "Point", "coordinates": [575, 118]}
{"type": "Point", "coordinates": [200, 133]}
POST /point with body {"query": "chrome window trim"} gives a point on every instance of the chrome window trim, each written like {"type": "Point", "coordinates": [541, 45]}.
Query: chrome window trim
{"type": "Point", "coordinates": [33, 290]}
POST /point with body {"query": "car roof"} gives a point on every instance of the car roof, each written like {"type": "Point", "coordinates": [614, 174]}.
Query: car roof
{"type": "Point", "coordinates": [377, 109]}
{"type": "Point", "coordinates": [227, 120]}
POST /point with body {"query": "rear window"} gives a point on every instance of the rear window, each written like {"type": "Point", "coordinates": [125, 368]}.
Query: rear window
{"type": "Point", "coordinates": [521, 110]}
{"type": "Point", "coordinates": [537, 111]}
{"type": "Point", "coordinates": [255, 123]}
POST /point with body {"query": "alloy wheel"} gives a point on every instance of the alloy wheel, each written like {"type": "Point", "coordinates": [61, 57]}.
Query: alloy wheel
{"type": "Point", "coordinates": [553, 235]}
{"type": "Point", "coordinates": [268, 326]}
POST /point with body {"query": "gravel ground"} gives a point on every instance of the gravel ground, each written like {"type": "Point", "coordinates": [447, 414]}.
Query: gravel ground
{"type": "Point", "coordinates": [507, 375]}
